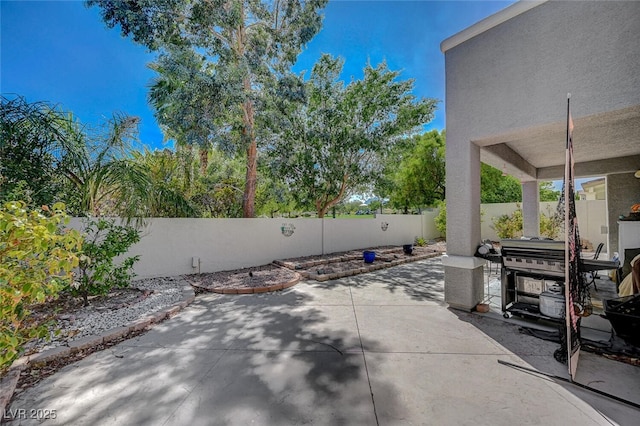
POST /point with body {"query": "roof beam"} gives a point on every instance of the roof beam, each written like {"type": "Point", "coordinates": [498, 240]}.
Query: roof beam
{"type": "Point", "coordinates": [502, 157]}
{"type": "Point", "coordinates": [593, 168]}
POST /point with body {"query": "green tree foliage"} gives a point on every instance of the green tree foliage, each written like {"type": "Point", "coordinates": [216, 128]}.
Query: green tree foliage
{"type": "Point", "coordinates": [98, 271]}
{"type": "Point", "coordinates": [419, 180]}
{"type": "Point", "coordinates": [441, 218]}
{"type": "Point", "coordinates": [249, 44]}
{"type": "Point", "coordinates": [47, 154]}
{"type": "Point", "coordinates": [169, 182]}
{"type": "Point", "coordinates": [37, 259]}
{"type": "Point", "coordinates": [547, 193]}
{"type": "Point", "coordinates": [219, 192]}
{"type": "Point", "coordinates": [102, 172]}
{"type": "Point", "coordinates": [188, 101]}
{"type": "Point", "coordinates": [34, 144]}
{"type": "Point", "coordinates": [273, 196]}
{"type": "Point", "coordinates": [511, 225]}
{"type": "Point", "coordinates": [496, 188]}
{"type": "Point", "coordinates": [332, 142]}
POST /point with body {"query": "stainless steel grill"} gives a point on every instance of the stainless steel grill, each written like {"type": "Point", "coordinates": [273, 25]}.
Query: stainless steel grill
{"type": "Point", "coordinates": [530, 267]}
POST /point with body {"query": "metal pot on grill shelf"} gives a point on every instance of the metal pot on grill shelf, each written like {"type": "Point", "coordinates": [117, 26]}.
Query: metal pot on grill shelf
{"type": "Point", "coordinates": [552, 301]}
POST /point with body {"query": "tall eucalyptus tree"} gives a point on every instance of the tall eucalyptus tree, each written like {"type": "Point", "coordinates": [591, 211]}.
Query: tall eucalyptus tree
{"type": "Point", "coordinates": [187, 102]}
{"type": "Point", "coordinates": [250, 42]}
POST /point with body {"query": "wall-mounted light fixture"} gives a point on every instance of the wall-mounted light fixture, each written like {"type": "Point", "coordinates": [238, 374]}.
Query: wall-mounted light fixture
{"type": "Point", "coordinates": [287, 229]}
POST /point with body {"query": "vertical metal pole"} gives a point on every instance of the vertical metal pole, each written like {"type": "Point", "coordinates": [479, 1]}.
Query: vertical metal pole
{"type": "Point", "coordinates": [567, 296]}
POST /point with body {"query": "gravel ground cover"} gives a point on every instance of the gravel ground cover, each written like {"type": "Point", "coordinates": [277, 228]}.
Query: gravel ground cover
{"type": "Point", "coordinates": [120, 307]}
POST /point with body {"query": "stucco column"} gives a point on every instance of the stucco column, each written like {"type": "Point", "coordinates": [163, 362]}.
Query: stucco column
{"type": "Point", "coordinates": [463, 273]}
{"type": "Point", "coordinates": [530, 209]}
{"type": "Point", "coordinates": [622, 193]}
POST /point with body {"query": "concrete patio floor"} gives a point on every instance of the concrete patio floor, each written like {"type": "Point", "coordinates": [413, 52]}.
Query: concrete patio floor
{"type": "Point", "coordinates": [378, 348]}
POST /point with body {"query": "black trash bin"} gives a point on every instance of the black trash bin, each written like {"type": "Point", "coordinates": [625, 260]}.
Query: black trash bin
{"type": "Point", "coordinates": [624, 315]}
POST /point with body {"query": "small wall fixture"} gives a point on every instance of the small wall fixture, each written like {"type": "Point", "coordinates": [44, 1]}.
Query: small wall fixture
{"type": "Point", "coordinates": [637, 174]}
{"type": "Point", "coordinates": [287, 229]}
{"type": "Point", "coordinates": [384, 226]}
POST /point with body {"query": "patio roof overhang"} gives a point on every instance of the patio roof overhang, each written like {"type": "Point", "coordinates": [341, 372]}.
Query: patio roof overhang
{"type": "Point", "coordinates": [603, 143]}
{"type": "Point", "coordinates": [606, 139]}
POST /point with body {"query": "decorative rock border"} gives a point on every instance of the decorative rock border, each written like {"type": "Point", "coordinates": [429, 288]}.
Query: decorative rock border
{"type": "Point", "coordinates": [10, 380]}
{"type": "Point", "coordinates": [252, 290]}
{"type": "Point", "coordinates": [383, 261]}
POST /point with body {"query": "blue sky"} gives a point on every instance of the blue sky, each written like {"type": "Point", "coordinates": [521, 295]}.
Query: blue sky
{"type": "Point", "coordinates": [61, 52]}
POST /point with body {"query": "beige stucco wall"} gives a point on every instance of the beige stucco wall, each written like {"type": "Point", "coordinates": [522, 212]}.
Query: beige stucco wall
{"type": "Point", "coordinates": [517, 74]}
{"type": "Point", "coordinates": [168, 245]}
{"type": "Point", "coordinates": [623, 190]}
{"type": "Point", "coordinates": [429, 230]}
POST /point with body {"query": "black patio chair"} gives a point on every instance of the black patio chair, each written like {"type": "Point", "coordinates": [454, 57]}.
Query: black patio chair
{"type": "Point", "coordinates": [594, 274]}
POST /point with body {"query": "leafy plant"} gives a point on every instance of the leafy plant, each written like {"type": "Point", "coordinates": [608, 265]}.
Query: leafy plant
{"type": "Point", "coordinates": [34, 148]}
{"type": "Point", "coordinates": [36, 261]}
{"type": "Point", "coordinates": [420, 242]}
{"type": "Point", "coordinates": [441, 219]}
{"type": "Point", "coordinates": [551, 224]}
{"type": "Point", "coordinates": [511, 226]}
{"type": "Point", "coordinates": [418, 175]}
{"type": "Point", "coordinates": [99, 272]}
{"type": "Point", "coordinates": [497, 187]}
{"type": "Point", "coordinates": [333, 141]}
{"type": "Point", "coordinates": [248, 45]}
{"type": "Point", "coordinates": [508, 225]}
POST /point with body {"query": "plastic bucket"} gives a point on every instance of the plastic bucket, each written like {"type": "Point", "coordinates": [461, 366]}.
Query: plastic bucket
{"type": "Point", "coordinates": [369, 256]}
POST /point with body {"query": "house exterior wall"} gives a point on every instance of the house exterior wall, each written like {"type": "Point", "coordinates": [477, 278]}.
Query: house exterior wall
{"type": "Point", "coordinates": [594, 190]}
{"type": "Point", "coordinates": [623, 191]}
{"type": "Point", "coordinates": [516, 75]}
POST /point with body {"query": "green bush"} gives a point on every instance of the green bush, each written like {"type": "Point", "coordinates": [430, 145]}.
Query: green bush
{"type": "Point", "coordinates": [508, 226]}
{"type": "Point", "coordinates": [441, 219]}
{"type": "Point", "coordinates": [37, 258]}
{"type": "Point", "coordinates": [551, 224]}
{"type": "Point", "coordinates": [511, 226]}
{"type": "Point", "coordinates": [419, 242]}
{"type": "Point", "coordinates": [99, 273]}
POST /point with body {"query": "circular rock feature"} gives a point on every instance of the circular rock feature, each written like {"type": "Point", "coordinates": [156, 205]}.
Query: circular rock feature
{"type": "Point", "coordinates": [259, 279]}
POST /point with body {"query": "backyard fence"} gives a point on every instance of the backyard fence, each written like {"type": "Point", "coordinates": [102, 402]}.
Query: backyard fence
{"type": "Point", "coordinates": [173, 246]}
{"type": "Point", "coordinates": [176, 246]}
